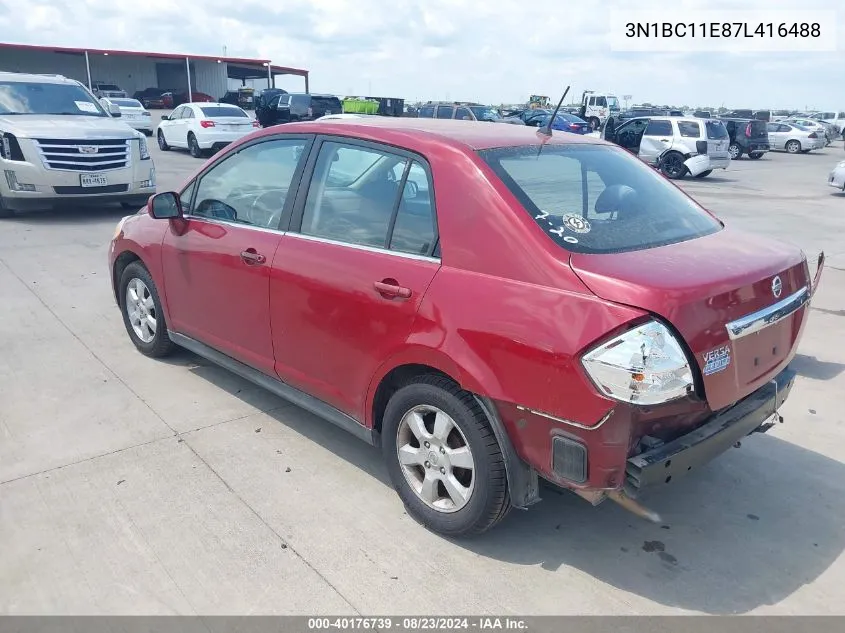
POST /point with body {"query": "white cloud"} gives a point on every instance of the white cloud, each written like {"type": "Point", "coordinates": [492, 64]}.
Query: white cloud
{"type": "Point", "coordinates": [491, 51]}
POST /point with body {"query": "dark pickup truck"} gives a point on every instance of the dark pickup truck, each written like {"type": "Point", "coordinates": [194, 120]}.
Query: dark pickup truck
{"type": "Point", "coordinates": [748, 136]}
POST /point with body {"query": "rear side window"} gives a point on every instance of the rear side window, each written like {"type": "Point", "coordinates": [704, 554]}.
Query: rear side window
{"type": "Point", "coordinates": [689, 129]}
{"type": "Point", "coordinates": [598, 199]}
{"type": "Point", "coordinates": [213, 112]}
{"type": "Point", "coordinates": [463, 114]}
{"type": "Point", "coordinates": [444, 112]}
{"type": "Point", "coordinates": [326, 103]}
{"type": "Point", "coordinates": [716, 130]}
{"type": "Point", "coordinates": [413, 229]}
{"type": "Point", "coordinates": [656, 127]}
{"type": "Point", "coordinates": [426, 112]}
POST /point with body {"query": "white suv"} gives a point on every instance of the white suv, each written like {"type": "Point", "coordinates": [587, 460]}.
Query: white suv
{"type": "Point", "coordinates": [59, 146]}
{"type": "Point", "coordinates": [676, 145]}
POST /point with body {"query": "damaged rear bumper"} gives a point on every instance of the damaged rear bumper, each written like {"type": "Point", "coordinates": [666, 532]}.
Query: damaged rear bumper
{"type": "Point", "coordinates": [667, 462]}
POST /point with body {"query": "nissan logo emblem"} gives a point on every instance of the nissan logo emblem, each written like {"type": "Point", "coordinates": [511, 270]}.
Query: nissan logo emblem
{"type": "Point", "coordinates": [777, 287]}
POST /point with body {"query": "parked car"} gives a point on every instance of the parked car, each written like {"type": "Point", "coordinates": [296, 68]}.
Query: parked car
{"type": "Point", "coordinates": [747, 136]}
{"type": "Point", "coordinates": [779, 115]}
{"type": "Point", "coordinates": [739, 114]}
{"type": "Point", "coordinates": [530, 116]}
{"type": "Point", "coordinates": [675, 145]}
{"type": "Point", "coordinates": [836, 119]}
{"type": "Point", "coordinates": [200, 127]}
{"type": "Point", "coordinates": [343, 115]}
{"type": "Point", "coordinates": [290, 107]}
{"type": "Point", "coordinates": [102, 89]}
{"type": "Point", "coordinates": [459, 110]}
{"type": "Point", "coordinates": [155, 98]}
{"type": "Point", "coordinates": [822, 128]}
{"type": "Point", "coordinates": [62, 148]}
{"type": "Point", "coordinates": [794, 138]}
{"type": "Point", "coordinates": [702, 114]}
{"type": "Point", "coordinates": [837, 176]}
{"type": "Point", "coordinates": [317, 263]}
{"type": "Point", "coordinates": [564, 122]}
{"type": "Point", "coordinates": [178, 98]}
{"type": "Point", "coordinates": [132, 112]}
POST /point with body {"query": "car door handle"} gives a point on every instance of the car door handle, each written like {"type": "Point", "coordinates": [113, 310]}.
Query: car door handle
{"type": "Point", "coordinates": [391, 288]}
{"type": "Point", "coordinates": [664, 140]}
{"type": "Point", "coordinates": [252, 258]}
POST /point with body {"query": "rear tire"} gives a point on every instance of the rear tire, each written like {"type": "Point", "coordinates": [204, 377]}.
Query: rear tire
{"type": "Point", "coordinates": [673, 166]}
{"type": "Point", "coordinates": [735, 150]}
{"type": "Point", "coordinates": [451, 499]}
{"type": "Point", "coordinates": [194, 146]}
{"type": "Point", "coordinates": [594, 124]}
{"type": "Point", "coordinates": [793, 147]}
{"type": "Point", "coordinates": [162, 144]}
{"type": "Point", "coordinates": [138, 306]}
{"type": "Point", "coordinates": [755, 155]}
{"type": "Point", "coordinates": [704, 174]}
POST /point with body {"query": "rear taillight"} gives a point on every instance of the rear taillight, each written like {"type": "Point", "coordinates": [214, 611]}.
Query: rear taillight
{"type": "Point", "coordinates": [748, 131]}
{"type": "Point", "coordinates": [813, 135]}
{"type": "Point", "coordinates": [256, 124]}
{"type": "Point", "coordinates": [206, 123]}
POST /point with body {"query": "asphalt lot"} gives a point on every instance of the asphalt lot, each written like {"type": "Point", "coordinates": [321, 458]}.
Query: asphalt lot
{"type": "Point", "coordinates": [135, 486]}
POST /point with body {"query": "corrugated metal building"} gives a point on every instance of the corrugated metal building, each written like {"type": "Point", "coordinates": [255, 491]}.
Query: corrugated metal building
{"type": "Point", "coordinates": [136, 70]}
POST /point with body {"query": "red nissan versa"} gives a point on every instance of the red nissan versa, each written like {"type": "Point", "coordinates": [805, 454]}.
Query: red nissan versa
{"type": "Point", "coordinates": [487, 304]}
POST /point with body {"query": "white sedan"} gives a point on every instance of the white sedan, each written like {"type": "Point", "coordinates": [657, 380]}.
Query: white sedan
{"type": "Point", "coordinates": [132, 112]}
{"type": "Point", "coordinates": [200, 127]}
{"type": "Point", "coordinates": [837, 176]}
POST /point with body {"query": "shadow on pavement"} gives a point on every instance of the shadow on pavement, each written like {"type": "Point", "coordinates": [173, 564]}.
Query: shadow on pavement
{"type": "Point", "coordinates": [812, 367]}
{"type": "Point", "coordinates": [748, 530]}
{"type": "Point", "coordinates": [67, 216]}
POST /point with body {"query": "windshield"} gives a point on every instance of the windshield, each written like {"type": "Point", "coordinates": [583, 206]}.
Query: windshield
{"type": "Point", "coordinates": [213, 112]}
{"type": "Point", "coordinates": [127, 103]}
{"type": "Point", "coordinates": [484, 113]}
{"type": "Point", "coordinates": [613, 103]}
{"type": "Point", "coordinates": [17, 97]}
{"type": "Point", "coordinates": [598, 199]}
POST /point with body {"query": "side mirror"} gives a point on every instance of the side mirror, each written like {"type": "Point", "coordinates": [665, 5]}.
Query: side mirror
{"type": "Point", "coordinates": [165, 206]}
{"type": "Point", "coordinates": [165, 117]}
{"type": "Point", "coordinates": [114, 110]}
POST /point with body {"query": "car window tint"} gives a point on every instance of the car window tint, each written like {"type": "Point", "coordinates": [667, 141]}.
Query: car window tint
{"type": "Point", "coordinates": [658, 128]}
{"type": "Point", "coordinates": [444, 112]}
{"type": "Point", "coordinates": [352, 194]}
{"type": "Point", "coordinates": [636, 208]}
{"type": "Point", "coordinates": [689, 129]}
{"type": "Point", "coordinates": [463, 114]}
{"type": "Point", "coordinates": [176, 114]}
{"type": "Point", "coordinates": [251, 186]}
{"type": "Point", "coordinates": [413, 231]}
{"type": "Point", "coordinates": [716, 130]}
{"type": "Point", "coordinates": [185, 197]}
{"type": "Point", "coordinates": [841, 115]}
{"type": "Point", "coordinates": [188, 113]}
{"type": "Point", "coordinates": [426, 112]}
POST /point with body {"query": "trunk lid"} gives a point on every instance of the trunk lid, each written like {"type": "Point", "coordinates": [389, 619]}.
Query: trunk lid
{"type": "Point", "coordinates": [701, 285]}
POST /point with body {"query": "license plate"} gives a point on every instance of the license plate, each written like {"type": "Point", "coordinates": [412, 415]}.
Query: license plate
{"type": "Point", "coordinates": [92, 180]}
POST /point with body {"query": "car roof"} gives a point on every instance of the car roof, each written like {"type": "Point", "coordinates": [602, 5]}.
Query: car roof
{"type": "Point", "coordinates": [412, 132]}
{"type": "Point", "coordinates": [34, 77]}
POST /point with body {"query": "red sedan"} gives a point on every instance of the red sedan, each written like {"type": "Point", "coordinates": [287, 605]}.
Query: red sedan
{"type": "Point", "coordinates": [488, 304]}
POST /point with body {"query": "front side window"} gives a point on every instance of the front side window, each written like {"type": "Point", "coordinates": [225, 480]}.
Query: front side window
{"type": "Point", "coordinates": [426, 112]}
{"type": "Point", "coordinates": [484, 113]}
{"type": "Point", "coordinates": [445, 112]}
{"type": "Point", "coordinates": [27, 97]}
{"type": "Point", "coordinates": [463, 114]}
{"type": "Point", "coordinates": [251, 186]}
{"type": "Point", "coordinates": [598, 199]}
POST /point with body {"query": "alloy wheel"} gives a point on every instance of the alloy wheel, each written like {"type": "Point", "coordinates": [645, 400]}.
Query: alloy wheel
{"type": "Point", "coordinates": [140, 308]}
{"type": "Point", "coordinates": [435, 458]}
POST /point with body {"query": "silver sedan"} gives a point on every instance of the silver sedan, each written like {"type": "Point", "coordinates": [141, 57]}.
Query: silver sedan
{"type": "Point", "coordinates": [794, 138]}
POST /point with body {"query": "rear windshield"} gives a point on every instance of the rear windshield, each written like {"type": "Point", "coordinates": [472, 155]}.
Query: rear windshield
{"type": "Point", "coordinates": [107, 87]}
{"type": "Point", "coordinates": [716, 130]}
{"type": "Point", "coordinates": [598, 199]}
{"type": "Point", "coordinates": [127, 103]}
{"type": "Point", "coordinates": [213, 112]}
{"type": "Point", "coordinates": [758, 128]}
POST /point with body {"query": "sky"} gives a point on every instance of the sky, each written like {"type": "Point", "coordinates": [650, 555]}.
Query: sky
{"type": "Point", "coordinates": [491, 51]}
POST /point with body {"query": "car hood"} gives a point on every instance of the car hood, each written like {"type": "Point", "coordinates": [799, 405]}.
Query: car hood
{"type": "Point", "coordinates": [701, 285]}
{"type": "Point", "coordinates": [66, 127]}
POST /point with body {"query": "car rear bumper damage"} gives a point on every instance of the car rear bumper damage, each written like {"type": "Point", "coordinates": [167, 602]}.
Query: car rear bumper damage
{"type": "Point", "coordinates": [667, 462]}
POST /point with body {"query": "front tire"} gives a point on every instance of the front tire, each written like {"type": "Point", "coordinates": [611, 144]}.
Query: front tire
{"type": "Point", "coordinates": [793, 147]}
{"type": "Point", "coordinates": [443, 458]}
{"type": "Point", "coordinates": [142, 313]}
{"type": "Point", "coordinates": [162, 143]}
{"type": "Point", "coordinates": [194, 146]}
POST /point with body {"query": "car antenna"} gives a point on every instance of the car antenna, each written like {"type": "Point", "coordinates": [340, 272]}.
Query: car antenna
{"type": "Point", "coordinates": [546, 130]}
